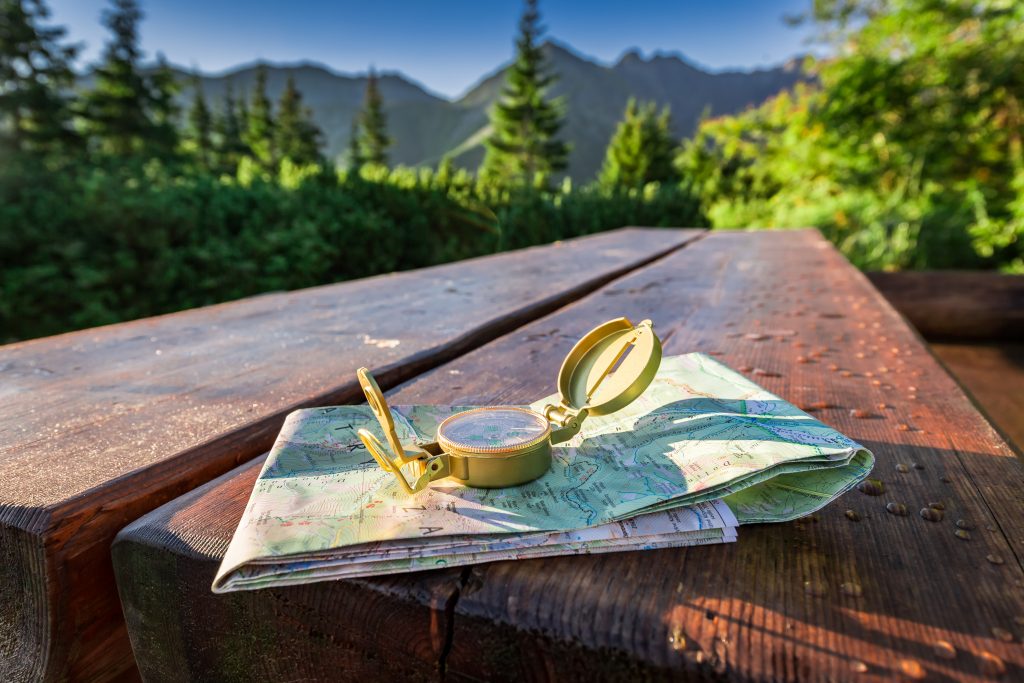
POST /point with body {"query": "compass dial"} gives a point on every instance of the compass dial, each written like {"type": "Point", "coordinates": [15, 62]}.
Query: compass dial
{"type": "Point", "coordinates": [493, 431]}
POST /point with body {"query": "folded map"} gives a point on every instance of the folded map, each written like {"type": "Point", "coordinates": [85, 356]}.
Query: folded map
{"type": "Point", "coordinates": [703, 450]}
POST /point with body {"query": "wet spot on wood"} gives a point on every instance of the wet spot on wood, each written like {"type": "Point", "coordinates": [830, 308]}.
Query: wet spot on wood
{"type": "Point", "coordinates": [944, 649]}
{"type": "Point", "coordinates": [932, 515]}
{"type": "Point", "coordinates": [962, 534]}
{"type": "Point", "coordinates": [898, 509]}
{"type": "Point", "coordinates": [852, 515]}
{"type": "Point", "coordinates": [991, 665]}
{"type": "Point", "coordinates": [994, 559]}
{"type": "Point", "coordinates": [851, 589]}
{"type": "Point", "coordinates": [911, 668]}
{"type": "Point", "coordinates": [1002, 634]}
{"type": "Point", "coordinates": [871, 487]}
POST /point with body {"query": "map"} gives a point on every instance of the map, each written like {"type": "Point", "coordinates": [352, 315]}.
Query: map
{"type": "Point", "coordinates": [702, 451]}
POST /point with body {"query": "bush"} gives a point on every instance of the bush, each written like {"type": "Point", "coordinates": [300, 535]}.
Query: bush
{"type": "Point", "coordinates": [91, 245]}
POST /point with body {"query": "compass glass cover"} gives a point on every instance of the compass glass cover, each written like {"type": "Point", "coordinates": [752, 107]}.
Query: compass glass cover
{"type": "Point", "coordinates": [493, 430]}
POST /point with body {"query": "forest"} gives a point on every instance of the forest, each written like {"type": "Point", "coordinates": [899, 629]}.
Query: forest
{"type": "Point", "coordinates": [116, 202]}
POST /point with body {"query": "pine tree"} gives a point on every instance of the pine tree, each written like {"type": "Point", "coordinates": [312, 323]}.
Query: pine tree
{"type": "Point", "coordinates": [523, 148]}
{"type": "Point", "coordinates": [200, 126]}
{"type": "Point", "coordinates": [259, 134]}
{"type": "Point", "coordinates": [35, 73]}
{"type": "Point", "coordinates": [228, 128]}
{"type": "Point", "coordinates": [116, 109]}
{"type": "Point", "coordinates": [298, 138]}
{"type": "Point", "coordinates": [162, 89]}
{"type": "Point", "coordinates": [373, 124]}
{"type": "Point", "coordinates": [641, 150]}
{"type": "Point", "coordinates": [354, 155]}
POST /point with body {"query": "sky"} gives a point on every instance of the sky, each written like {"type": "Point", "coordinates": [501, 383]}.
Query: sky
{"type": "Point", "coordinates": [446, 45]}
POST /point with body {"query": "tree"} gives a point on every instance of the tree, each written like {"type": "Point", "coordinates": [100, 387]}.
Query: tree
{"type": "Point", "coordinates": [298, 138]}
{"type": "Point", "coordinates": [163, 89]}
{"type": "Point", "coordinates": [116, 110]}
{"type": "Point", "coordinates": [373, 124]}
{"type": "Point", "coordinates": [35, 74]}
{"type": "Point", "coordinates": [523, 147]}
{"type": "Point", "coordinates": [259, 134]}
{"type": "Point", "coordinates": [228, 128]}
{"type": "Point", "coordinates": [906, 149]}
{"type": "Point", "coordinates": [354, 154]}
{"type": "Point", "coordinates": [641, 150]}
{"type": "Point", "coordinates": [200, 125]}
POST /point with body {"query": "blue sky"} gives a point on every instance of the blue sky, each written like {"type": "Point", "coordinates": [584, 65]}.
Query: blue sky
{"type": "Point", "coordinates": [445, 45]}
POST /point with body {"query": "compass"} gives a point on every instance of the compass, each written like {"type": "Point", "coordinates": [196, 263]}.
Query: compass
{"type": "Point", "coordinates": [502, 446]}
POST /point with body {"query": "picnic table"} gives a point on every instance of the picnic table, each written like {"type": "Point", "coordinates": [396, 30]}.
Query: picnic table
{"type": "Point", "coordinates": [854, 592]}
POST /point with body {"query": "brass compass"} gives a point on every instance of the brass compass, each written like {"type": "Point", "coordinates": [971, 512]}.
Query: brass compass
{"type": "Point", "coordinates": [502, 446]}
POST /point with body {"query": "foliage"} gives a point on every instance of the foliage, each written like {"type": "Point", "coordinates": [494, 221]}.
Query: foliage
{"type": "Point", "coordinates": [35, 74]}
{"type": "Point", "coordinates": [228, 143]}
{"type": "Point", "coordinates": [370, 130]}
{"type": "Point", "coordinates": [128, 113]}
{"type": "Point", "coordinates": [298, 138]}
{"type": "Point", "coordinates": [96, 245]}
{"type": "Point", "coordinates": [641, 149]}
{"type": "Point", "coordinates": [259, 132]}
{"type": "Point", "coordinates": [200, 127]}
{"type": "Point", "coordinates": [523, 148]}
{"type": "Point", "coordinates": [907, 153]}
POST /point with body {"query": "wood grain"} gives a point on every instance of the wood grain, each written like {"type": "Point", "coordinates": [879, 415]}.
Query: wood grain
{"type": "Point", "coordinates": [993, 375]}
{"type": "Point", "coordinates": [103, 425]}
{"type": "Point", "coordinates": [825, 598]}
{"type": "Point", "coordinates": [956, 305]}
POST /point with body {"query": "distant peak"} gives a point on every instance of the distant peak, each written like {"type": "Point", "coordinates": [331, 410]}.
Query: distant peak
{"type": "Point", "coordinates": [631, 56]}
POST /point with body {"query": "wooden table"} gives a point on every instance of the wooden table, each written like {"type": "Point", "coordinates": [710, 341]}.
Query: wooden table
{"type": "Point", "coordinates": [824, 598]}
{"type": "Point", "coordinates": [98, 427]}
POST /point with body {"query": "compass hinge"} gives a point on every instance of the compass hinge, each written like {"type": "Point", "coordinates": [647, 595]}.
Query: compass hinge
{"type": "Point", "coordinates": [569, 420]}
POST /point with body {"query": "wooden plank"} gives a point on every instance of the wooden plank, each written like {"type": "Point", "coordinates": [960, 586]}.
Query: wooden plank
{"type": "Point", "coordinates": [957, 305]}
{"type": "Point", "coordinates": [820, 599]}
{"type": "Point", "coordinates": [103, 425]}
{"type": "Point", "coordinates": [993, 375]}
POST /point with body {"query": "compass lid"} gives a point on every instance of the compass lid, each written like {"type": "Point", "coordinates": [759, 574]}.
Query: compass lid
{"type": "Point", "coordinates": [610, 366]}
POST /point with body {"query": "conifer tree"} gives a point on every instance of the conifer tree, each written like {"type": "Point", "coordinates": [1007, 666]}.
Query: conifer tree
{"type": "Point", "coordinates": [259, 134]}
{"type": "Point", "coordinates": [298, 138]}
{"type": "Point", "coordinates": [162, 89]}
{"type": "Point", "coordinates": [228, 128]}
{"type": "Point", "coordinates": [354, 154]}
{"type": "Point", "coordinates": [200, 125]}
{"type": "Point", "coordinates": [641, 150]}
{"type": "Point", "coordinates": [35, 73]}
{"type": "Point", "coordinates": [116, 109]}
{"type": "Point", "coordinates": [373, 125]}
{"type": "Point", "coordinates": [523, 147]}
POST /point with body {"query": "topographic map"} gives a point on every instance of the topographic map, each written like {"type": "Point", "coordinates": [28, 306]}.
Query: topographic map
{"type": "Point", "coordinates": [701, 451]}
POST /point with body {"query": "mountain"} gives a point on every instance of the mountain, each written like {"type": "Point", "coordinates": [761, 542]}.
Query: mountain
{"type": "Point", "coordinates": [426, 127]}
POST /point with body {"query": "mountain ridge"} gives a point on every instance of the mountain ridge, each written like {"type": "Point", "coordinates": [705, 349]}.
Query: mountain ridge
{"type": "Point", "coordinates": [427, 126]}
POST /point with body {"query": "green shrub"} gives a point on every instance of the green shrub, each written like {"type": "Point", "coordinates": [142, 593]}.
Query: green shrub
{"type": "Point", "coordinates": [91, 245]}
